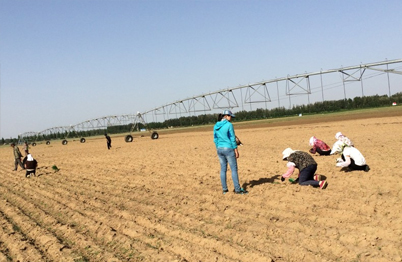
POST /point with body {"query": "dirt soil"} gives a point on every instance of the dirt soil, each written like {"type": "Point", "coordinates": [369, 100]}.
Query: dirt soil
{"type": "Point", "coordinates": [161, 200]}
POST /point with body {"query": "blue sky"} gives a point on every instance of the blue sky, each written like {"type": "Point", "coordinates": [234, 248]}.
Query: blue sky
{"type": "Point", "coordinates": [66, 61]}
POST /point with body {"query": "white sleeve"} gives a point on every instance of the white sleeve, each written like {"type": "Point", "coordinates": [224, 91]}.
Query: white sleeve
{"type": "Point", "coordinates": [289, 164]}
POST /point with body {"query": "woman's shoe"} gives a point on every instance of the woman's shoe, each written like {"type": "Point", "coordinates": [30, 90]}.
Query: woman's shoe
{"type": "Point", "coordinates": [317, 177]}
{"type": "Point", "coordinates": [241, 192]}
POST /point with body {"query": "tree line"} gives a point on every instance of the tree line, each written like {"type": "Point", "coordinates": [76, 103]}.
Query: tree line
{"type": "Point", "coordinates": [207, 119]}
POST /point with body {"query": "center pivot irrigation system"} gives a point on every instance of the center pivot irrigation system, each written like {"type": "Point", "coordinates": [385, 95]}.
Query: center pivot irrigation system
{"type": "Point", "coordinates": [310, 86]}
{"type": "Point", "coordinates": [90, 127]}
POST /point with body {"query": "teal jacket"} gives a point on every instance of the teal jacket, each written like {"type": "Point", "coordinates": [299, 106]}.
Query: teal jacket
{"type": "Point", "coordinates": [224, 135]}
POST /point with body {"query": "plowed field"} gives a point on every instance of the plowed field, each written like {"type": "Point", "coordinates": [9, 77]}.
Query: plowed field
{"type": "Point", "coordinates": [161, 200]}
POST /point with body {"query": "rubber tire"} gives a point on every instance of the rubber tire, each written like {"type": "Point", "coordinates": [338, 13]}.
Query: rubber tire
{"type": "Point", "coordinates": [64, 142]}
{"type": "Point", "coordinates": [128, 138]}
{"type": "Point", "coordinates": [48, 142]}
{"type": "Point", "coordinates": [154, 135]}
{"type": "Point", "coordinates": [82, 140]}
{"type": "Point", "coordinates": [33, 144]}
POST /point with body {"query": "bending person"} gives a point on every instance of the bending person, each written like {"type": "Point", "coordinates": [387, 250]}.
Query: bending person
{"type": "Point", "coordinates": [306, 165]}
{"type": "Point", "coordinates": [319, 146]}
{"type": "Point", "coordinates": [30, 165]}
{"type": "Point", "coordinates": [352, 159]}
{"type": "Point", "coordinates": [340, 143]}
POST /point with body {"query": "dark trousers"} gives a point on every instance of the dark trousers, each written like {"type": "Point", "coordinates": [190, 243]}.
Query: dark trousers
{"type": "Point", "coordinates": [353, 165]}
{"type": "Point", "coordinates": [30, 172]}
{"type": "Point", "coordinates": [109, 145]}
{"type": "Point", "coordinates": [323, 153]}
{"type": "Point", "coordinates": [306, 176]}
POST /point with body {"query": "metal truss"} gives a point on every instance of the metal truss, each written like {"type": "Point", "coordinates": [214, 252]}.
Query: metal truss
{"type": "Point", "coordinates": [258, 92]}
{"type": "Point", "coordinates": [104, 122]}
{"type": "Point", "coordinates": [101, 123]}
{"type": "Point", "coordinates": [235, 97]}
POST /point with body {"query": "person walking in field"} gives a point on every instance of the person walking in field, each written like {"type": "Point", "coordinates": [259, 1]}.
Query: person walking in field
{"type": "Point", "coordinates": [108, 141]}
{"type": "Point", "coordinates": [26, 148]}
{"type": "Point", "coordinates": [30, 165]}
{"type": "Point", "coordinates": [17, 157]}
{"type": "Point", "coordinates": [319, 146]}
{"type": "Point", "coordinates": [226, 147]}
{"type": "Point", "coordinates": [307, 168]}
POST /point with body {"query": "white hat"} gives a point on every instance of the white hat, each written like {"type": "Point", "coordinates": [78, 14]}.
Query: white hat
{"type": "Point", "coordinates": [338, 135]}
{"type": "Point", "coordinates": [312, 141]}
{"type": "Point", "coordinates": [287, 152]}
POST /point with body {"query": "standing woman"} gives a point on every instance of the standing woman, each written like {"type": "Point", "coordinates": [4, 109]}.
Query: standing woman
{"type": "Point", "coordinates": [226, 146]}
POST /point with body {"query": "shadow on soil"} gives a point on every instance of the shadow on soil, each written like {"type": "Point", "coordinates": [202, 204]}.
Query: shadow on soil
{"type": "Point", "coordinates": [261, 181]}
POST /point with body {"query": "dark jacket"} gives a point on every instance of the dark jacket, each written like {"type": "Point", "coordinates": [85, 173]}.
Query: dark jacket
{"type": "Point", "coordinates": [301, 159]}
{"type": "Point", "coordinates": [29, 165]}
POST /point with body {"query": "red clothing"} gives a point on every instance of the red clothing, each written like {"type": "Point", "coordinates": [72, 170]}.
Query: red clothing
{"type": "Point", "coordinates": [321, 145]}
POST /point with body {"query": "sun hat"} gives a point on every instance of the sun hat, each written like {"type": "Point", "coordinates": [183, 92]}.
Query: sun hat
{"type": "Point", "coordinates": [312, 141]}
{"type": "Point", "coordinates": [338, 135]}
{"type": "Point", "coordinates": [228, 112]}
{"type": "Point", "coordinates": [287, 152]}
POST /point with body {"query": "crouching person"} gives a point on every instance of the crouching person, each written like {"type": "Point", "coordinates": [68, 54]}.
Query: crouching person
{"type": "Point", "coordinates": [306, 165]}
{"type": "Point", "coordinates": [319, 146]}
{"type": "Point", "coordinates": [351, 160]}
{"type": "Point", "coordinates": [30, 165]}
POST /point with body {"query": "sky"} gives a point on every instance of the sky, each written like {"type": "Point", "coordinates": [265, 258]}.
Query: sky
{"type": "Point", "coordinates": [66, 61]}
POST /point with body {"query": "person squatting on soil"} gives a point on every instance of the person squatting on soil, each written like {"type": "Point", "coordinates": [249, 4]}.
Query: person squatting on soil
{"type": "Point", "coordinates": [319, 146]}
{"type": "Point", "coordinates": [30, 165]}
{"type": "Point", "coordinates": [226, 146]}
{"type": "Point", "coordinates": [306, 165]}
{"type": "Point", "coordinates": [352, 159]}
{"type": "Point", "coordinates": [108, 141]}
{"type": "Point", "coordinates": [17, 157]}
{"type": "Point", "coordinates": [339, 144]}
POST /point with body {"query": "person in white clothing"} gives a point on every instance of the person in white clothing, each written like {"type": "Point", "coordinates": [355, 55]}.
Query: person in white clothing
{"type": "Point", "coordinates": [340, 143]}
{"type": "Point", "coordinates": [352, 159]}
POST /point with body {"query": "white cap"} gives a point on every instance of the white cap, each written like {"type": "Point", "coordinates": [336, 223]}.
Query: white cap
{"type": "Point", "coordinates": [312, 140]}
{"type": "Point", "coordinates": [337, 135]}
{"type": "Point", "coordinates": [287, 152]}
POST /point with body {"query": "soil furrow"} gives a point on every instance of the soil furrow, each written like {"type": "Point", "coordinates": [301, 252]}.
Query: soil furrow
{"type": "Point", "coordinates": [15, 245]}
{"type": "Point", "coordinates": [55, 241]}
{"type": "Point", "coordinates": [196, 233]}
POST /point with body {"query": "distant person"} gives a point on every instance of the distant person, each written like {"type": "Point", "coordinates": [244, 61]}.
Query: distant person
{"type": "Point", "coordinates": [108, 141]}
{"type": "Point", "coordinates": [30, 165]}
{"type": "Point", "coordinates": [352, 160]}
{"type": "Point", "coordinates": [307, 168]}
{"type": "Point", "coordinates": [17, 157]}
{"type": "Point", "coordinates": [26, 148]}
{"type": "Point", "coordinates": [226, 146]}
{"type": "Point", "coordinates": [342, 141]}
{"type": "Point", "coordinates": [319, 146]}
